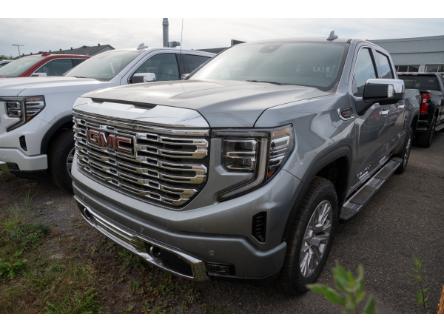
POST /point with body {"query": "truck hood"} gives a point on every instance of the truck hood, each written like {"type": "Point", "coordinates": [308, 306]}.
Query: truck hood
{"type": "Point", "coordinates": [42, 85]}
{"type": "Point", "coordinates": [222, 103]}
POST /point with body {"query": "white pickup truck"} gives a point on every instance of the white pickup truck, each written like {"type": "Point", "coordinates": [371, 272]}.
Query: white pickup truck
{"type": "Point", "coordinates": [36, 113]}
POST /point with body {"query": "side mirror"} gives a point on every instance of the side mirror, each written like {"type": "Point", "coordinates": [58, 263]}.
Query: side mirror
{"type": "Point", "coordinates": [383, 91]}
{"type": "Point", "coordinates": [143, 77]}
{"type": "Point", "coordinates": [39, 74]}
{"type": "Point", "coordinates": [185, 76]}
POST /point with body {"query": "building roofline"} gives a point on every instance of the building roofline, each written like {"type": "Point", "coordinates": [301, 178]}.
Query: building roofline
{"type": "Point", "coordinates": [408, 39]}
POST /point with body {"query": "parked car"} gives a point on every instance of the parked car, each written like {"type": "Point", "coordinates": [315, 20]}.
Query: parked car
{"type": "Point", "coordinates": [36, 113]}
{"type": "Point", "coordinates": [4, 62]}
{"type": "Point", "coordinates": [244, 169]}
{"type": "Point", "coordinates": [44, 64]}
{"type": "Point", "coordinates": [431, 112]}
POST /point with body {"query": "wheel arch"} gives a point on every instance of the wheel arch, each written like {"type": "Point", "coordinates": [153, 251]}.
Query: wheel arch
{"type": "Point", "coordinates": [60, 125]}
{"type": "Point", "coordinates": [338, 157]}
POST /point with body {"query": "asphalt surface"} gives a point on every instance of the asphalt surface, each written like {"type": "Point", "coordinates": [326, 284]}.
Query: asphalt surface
{"type": "Point", "coordinates": [405, 219]}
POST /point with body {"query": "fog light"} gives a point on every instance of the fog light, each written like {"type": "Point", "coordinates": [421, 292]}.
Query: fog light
{"type": "Point", "coordinates": [220, 269]}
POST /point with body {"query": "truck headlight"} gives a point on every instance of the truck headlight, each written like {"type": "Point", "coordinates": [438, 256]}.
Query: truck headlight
{"type": "Point", "coordinates": [260, 152]}
{"type": "Point", "coordinates": [23, 108]}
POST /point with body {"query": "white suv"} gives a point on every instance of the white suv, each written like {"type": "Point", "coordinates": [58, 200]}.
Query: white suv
{"type": "Point", "coordinates": [36, 113]}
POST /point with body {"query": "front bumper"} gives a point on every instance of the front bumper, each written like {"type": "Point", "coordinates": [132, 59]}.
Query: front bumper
{"type": "Point", "coordinates": [201, 237]}
{"type": "Point", "coordinates": [23, 161]}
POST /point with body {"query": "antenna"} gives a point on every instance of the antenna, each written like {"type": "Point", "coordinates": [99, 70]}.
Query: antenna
{"type": "Point", "coordinates": [18, 48]}
{"type": "Point", "coordinates": [332, 36]}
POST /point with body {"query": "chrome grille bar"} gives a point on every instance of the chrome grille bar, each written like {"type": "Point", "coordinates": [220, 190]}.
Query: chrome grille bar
{"type": "Point", "coordinates": [168, 166]}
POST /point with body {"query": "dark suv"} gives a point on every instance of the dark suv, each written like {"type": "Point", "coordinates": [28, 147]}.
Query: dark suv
{"type": "Point", "coordinates": [431, 112]}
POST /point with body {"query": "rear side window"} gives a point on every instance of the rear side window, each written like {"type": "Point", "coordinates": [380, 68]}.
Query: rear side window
{"type": "Point", "coordinates": [164, 65]}
{"type": "Point", "coordinates": [191, 62]}
{"type": "Point", "coordinates": [364, 70]}
{"type": "Point", "coordinates": [383, 66]}
{"type": "Point", "coordinates": [77, 61]}
{"type": "Point", "coordinates": [56, 67]}
{"type": "Point", "coordinates": [420, 82]}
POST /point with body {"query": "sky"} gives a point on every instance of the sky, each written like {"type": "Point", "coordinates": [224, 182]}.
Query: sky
{"type": "Point", "coordinates": [53, 34]}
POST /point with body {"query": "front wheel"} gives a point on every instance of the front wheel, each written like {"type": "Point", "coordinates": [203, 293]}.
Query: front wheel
{"type": "Point", "coordinates": [310, 236]}
{"type": "Point", "coordinates": [61, 156]}
{"type": "Point", "coordinates": [405, 154]}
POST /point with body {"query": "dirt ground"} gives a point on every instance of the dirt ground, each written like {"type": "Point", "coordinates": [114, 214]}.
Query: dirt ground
{"type": "Point", "coordinates": [66, 266]}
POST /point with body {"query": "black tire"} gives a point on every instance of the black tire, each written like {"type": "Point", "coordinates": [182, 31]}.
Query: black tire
{"type": "Point", "coordinates": [405, 153]}
{"type": "Point", "coordinates": [292, 280]}
{"type": "Point", "coordinates": [60, 148]}
{"type": "Point", "coordinates": [425, 139]}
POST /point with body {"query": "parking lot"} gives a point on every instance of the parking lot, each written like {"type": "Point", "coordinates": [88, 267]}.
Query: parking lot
{"type": "Point", "coordinates": [72, 268]}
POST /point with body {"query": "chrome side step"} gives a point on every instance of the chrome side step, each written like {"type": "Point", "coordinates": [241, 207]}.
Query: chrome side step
{"type": "Point", "coordinates": [360, 198]}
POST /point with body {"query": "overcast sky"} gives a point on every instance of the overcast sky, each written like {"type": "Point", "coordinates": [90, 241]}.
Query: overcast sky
{"type": "Point", "coordinates": [53, 34]}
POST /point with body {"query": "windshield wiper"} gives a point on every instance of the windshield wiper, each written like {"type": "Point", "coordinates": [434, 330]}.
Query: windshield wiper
{"type": "Point", "coordinates": [271, 82]}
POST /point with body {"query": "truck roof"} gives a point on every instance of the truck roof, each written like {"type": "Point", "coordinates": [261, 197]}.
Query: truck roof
{"type": "Point", "coordinates": [150, 49]}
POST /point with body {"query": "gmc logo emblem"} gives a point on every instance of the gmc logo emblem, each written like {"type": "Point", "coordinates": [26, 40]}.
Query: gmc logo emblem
{"type": "Point", "coordinates": [118, 143]}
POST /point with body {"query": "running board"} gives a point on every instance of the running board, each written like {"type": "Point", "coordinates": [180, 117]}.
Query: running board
{"type": "Point", "coordinates": [360, 198]}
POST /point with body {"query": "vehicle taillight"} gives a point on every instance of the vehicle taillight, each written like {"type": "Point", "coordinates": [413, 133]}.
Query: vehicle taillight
{"type": "Point", "coordinates": [425, 99]}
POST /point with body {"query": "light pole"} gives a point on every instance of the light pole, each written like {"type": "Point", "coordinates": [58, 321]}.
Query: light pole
{"type": "Point", "coordinates": [18, 48]}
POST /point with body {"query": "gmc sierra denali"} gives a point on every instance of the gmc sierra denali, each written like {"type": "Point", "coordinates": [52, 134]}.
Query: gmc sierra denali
{"type": "Point", "coordinates": [431, 112]}
{"type": "Point", "coordinates": [244, 169]}
{"type": "Point", "coordinates": [36, 113]}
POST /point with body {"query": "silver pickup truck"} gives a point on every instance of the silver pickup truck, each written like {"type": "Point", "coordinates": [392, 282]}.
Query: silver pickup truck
{"type": "Point", "coordinates": [245, 169]}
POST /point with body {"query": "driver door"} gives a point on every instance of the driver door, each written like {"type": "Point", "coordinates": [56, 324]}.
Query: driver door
{"type": "Point", "coordinates": [370, 148]}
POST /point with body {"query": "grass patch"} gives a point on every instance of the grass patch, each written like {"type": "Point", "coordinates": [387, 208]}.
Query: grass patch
{"type": "Point", "coordinates": [4, 173]}
{"type": "Point", "coordinates": [31, 280]}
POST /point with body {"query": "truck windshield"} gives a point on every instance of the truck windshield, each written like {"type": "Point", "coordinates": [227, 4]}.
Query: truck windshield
{"type": "Point", "coordinates": [314, 64]}
{"type": "Point", "coordinates": [420, 82]}
{"type": "Point", "coordinates": [17, 67]}
{"type": "Point", "coordinates": [104, 66]}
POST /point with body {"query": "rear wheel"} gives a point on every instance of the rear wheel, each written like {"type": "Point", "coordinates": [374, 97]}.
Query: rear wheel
{"type": "Point", "coordinates": [425, 139]}
{"type": "Point", "coordinates": [61, 155]}
{"type": "Point", "coordinates": [310, 236]}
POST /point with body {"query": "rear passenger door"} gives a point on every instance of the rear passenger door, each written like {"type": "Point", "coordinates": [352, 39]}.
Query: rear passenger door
{"type": "Point", "coordinates": [394, 113]}
{"type": "Point", "coordinates": [369, 149]}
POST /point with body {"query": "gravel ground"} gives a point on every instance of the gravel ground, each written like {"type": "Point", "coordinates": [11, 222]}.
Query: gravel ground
{"type": "Point", "coordinates": [404, 220]}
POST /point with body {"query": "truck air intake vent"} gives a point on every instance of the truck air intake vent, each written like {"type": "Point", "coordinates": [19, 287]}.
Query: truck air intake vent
{"type": "Point", "coordinates": [259, 226]}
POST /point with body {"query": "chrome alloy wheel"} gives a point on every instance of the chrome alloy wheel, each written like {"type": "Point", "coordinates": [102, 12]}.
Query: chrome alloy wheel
{"type": "Point", "coordinates": [316, 238]}
{"type": "Point", "coordinates": [69, 160]}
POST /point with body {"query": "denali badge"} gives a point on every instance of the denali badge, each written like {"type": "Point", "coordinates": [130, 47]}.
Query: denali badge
{"type": "Point", "coordinates": [119, 143]}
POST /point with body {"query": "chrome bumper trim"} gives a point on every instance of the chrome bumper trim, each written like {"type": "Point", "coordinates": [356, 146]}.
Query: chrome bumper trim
{"type": "Point", "coordinates": [142, 246]}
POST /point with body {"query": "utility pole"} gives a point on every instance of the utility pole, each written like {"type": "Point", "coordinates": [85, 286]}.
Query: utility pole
{"type": "Point", "coordinates": [18, 48]}
{"type": "Point", "coordinates": [165, 30]}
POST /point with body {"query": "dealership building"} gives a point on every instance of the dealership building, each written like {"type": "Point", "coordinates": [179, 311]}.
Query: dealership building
{"type": "Point", "coordinates": [419, 54]}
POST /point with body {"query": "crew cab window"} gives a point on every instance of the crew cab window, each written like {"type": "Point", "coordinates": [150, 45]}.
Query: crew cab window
{"type": "Point", "coordinates": [364, 70]}
{"type": "Point", "coordinates": [190, 62]}
{"type": "Point", "coordinates": [163, 65]}
{"type": "Point", "coordinates": [77, 61]}
{"type": "Point", "coordinates": [383, 66]}
{"type": "Point", "coordinates": [56, 67]}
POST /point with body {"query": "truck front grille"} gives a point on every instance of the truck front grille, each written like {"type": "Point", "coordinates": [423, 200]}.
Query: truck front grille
{"type": "Point", "coordinates": [157, 164]}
